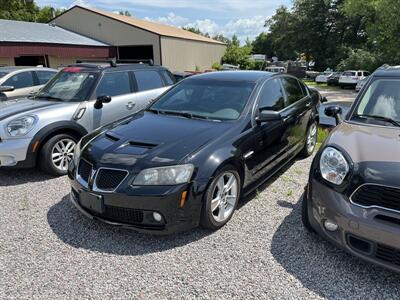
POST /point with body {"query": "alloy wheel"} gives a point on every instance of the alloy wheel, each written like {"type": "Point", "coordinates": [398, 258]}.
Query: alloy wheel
{"type": "Point", "coordinates": [62, 153]}
{"type": "Point", "coordinates": [224, 197]}
{"type": "Point", "coordinates": [312, 138]}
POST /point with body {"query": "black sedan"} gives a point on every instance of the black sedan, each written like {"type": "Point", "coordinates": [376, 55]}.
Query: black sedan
{"type": "Point", "coordinates": [187, 159]}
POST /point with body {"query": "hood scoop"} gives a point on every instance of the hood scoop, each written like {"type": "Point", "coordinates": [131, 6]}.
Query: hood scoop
{"type": "Point", "coordinates": [135, 148]}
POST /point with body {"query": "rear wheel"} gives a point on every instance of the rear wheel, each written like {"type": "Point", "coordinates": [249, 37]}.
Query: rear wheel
{"type": "Point", "coordinates": [221, 199]}
{"type": "Point", "coordinates": [311, 140]}
{"type": "Point", "coordinates": [57, 153]}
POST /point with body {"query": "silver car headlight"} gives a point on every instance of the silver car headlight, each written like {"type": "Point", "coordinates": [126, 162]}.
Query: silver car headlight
{"type": "Point", "coordinates": [333, 166]}
{"type": "Point", "coordinates": [171, 175]}
{"type": "Point", "coordinates": [21, 126]}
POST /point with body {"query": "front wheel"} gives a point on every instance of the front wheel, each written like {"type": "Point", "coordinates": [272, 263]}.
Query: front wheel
{"type": "Point", "coordinates": [57, 153]}
{"type": "Point", "coordinates": [311, 140]}
{"type": "Point", "coordinates": [221, 199]}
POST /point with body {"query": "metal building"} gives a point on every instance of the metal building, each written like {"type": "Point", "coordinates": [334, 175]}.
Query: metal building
{"type": "Point", "coordinates": [31, 44]}
{"type": "Point", "coordinates": [175, 48]}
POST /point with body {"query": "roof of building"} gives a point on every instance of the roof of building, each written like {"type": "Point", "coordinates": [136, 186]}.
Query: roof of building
{"type": "Point", "coordinates": [157, 28]}
{"type": "Point", "coordinates": [28, 32]}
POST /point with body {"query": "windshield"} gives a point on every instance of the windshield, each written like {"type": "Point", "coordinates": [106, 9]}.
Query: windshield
{"type": "Point", "coordinates": [380, 104]}
{"type": "Point", "coordinates": [211, 99]}
{"type": "Point", "coordinates": [69, 85]}
{"type": "Point", "coordinates": [3, 73]}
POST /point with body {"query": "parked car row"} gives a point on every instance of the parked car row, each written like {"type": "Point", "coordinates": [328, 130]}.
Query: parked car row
{"type": "Point", "coordinates": [350, 78]}
{"type": "Point", "coordinates": [144, 153]}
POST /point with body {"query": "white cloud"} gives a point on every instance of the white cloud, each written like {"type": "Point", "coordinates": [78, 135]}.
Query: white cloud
{"type": "Point", "coordinates": [171, 19]}
{"type": "Point", "coordinates": [83, 3]}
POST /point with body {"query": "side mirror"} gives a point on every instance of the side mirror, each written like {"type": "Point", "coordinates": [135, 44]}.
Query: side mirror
{"type": "Point", "coordinates": [101, 100]}
{"type": "Point", "coordinates": [6, 88]}
{"type": "Point", "coordinates": [268, 115]}
{"type": "Point", "coordinates": [334, 111]}
{"type": "Point", "coordinates": [324, 100]}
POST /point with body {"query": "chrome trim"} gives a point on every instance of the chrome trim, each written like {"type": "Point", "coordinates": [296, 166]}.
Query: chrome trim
{"type": "Point", "coordinates": [373, 206]}
{"type": "Point", "coordinates": [79, 178]}
{"type": "Point", "coordinates": [248, 154]}
{"type": "Point", "coordinates": [96, 189]}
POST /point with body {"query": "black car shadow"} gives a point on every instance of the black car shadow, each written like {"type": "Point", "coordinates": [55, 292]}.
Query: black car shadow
{"type": "Point", "coordinates": [323, 268]}
{"type": "Point", "coordinates": [74, 229]}
{"type": "Point", "coordinates": [13, 177]}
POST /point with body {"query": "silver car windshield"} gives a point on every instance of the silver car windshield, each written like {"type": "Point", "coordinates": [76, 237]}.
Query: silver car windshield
{"type": "Point", "coordinates": [380, 103]}
{"type": "Point", "coordinates": [70, 85]}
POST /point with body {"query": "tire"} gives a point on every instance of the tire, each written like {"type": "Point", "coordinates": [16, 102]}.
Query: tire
{"type": "Point", "coordinates": [305, 218]}
{"type": "Point", "coordinates": [212, 217]}
{"type": "Point", "coordinates": [311, 140]}
{"type": "Point", "coordinates": [52, 147]}
{"type": "Point", "coordinates": [341, 86]}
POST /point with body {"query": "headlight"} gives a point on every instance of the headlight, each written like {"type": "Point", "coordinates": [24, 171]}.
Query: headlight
{"type": "Point", "coordinates": [21, 126]}
{"type": "Point", "coordinates": [77, 153]}
{"type": "Point", "coordinates": [333, 166]}
{"type": "Point", "coordinates": [165, 175]}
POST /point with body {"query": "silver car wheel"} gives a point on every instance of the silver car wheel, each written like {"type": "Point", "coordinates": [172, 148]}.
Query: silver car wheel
{"type": "Point", "coordinates": [62, 153]}
{"type": "Point", "coordinates": [312, 138]}
{"type": "Point", "coordinates": [224, 198]}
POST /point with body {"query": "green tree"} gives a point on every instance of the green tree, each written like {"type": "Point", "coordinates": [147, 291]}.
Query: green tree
{"type": "Point", "coordinates": [359, 59]}
{"type": "Point", "coordinates": [125, 13]}
{"type": "Point", "coordinates": [263, 45]}
{"type": "Point", "coordinates": [196, 30]}
{"type": "Point", "coordinates": [238, 55]}
{"type": "Point", "coordinates": [24, 10]}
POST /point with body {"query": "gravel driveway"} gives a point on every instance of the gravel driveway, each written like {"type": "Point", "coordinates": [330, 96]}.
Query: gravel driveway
{"type": "Point", "coordinates": [49, 251]}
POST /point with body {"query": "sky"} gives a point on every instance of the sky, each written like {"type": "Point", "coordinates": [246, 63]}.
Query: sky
{"type": "Point", "coordinates": [245, 18]}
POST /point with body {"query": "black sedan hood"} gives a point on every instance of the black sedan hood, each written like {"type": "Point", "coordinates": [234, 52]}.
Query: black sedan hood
{"type": "Point", "coordinates": [149, 139]}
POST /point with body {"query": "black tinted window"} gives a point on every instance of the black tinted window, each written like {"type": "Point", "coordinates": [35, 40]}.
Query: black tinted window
{"type": "Point", "coordinates": [114, 84]}
{"type": "Point", "coordinates": [44, 76]}
{"type": "Point", "coordinates": [148, 80]}
{"type": "Point", "coordinates": [213, 99]}
{"type": "Point", "coordinates": [293, 90]}
{"type": "Point", "coordinates": [271, 97]}
{"type": "Point", "coordinates": [168, 77]}
{"type": "Point", "coordinates": [20, 80]}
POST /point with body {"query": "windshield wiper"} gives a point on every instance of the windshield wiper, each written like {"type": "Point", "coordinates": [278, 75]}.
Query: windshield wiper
{"type": "Point", "coordinates": [48, 97]}
{"type": "Point", "coordinates": [185, 114]}
{"type": "Point", "coordinates": [153, 110]}
{"type": "Point", "coordinates": [382, 118]}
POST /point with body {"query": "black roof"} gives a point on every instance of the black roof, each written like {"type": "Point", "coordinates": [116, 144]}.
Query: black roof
{"type": "Point", "coordinates": [252, 76]}
{"type": "Point", "coordinates": [388, 71]}
{"type": "Point", "coordinates": [108, 66]}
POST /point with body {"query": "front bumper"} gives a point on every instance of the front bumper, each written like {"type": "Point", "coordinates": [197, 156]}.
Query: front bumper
{"type": "Point", "coordinates": [13, 152]}
{"type": "Point", "coordinates": [135, 211]}
{"type": "Point", "coordinates": [359, 232]}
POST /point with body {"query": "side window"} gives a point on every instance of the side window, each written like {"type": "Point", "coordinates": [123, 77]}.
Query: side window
{"type": "Point", "coordinates": [367, 74]}
{"type": "Point", "coordinates": [303, 88]}
{"type": "Point", "coordinates": [44, 76]}
{"type": "Point", "coordinates": [148, 80]}
{"type": "Point", "coordinates": [114, 84]}
{"type": "Point", "coordinates": [271, 96]}
{"type": "Point", "coordinates": [20, 80]}
{"type": "Point", "coordinates": [293, 90]}
{"type": "Point", "coordinates": [359, 74]}
{"type": "Point", "coordinates": [168, 77]}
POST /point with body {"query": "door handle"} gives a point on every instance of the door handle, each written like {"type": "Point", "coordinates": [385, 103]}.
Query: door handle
{"type": "Point", "coordinates": [130, 105]}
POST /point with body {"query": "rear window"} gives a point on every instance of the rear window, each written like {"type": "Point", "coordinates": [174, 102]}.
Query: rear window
{"type": "Point", "coordinates": [148, 80]}
{"type": "Point", "coordinates": [349, 73]}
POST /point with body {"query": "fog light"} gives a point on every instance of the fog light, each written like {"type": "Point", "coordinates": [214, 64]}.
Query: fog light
{"type": "Point", "coordinates": [330, 225]}
{"type": "Point", "coordinates": [157, 217]}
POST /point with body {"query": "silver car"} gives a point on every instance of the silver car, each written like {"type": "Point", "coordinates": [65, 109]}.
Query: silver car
{"type": "Point", "coordinates": [16, 82]}
{"type": "Point", "coordinates": [43, 129]}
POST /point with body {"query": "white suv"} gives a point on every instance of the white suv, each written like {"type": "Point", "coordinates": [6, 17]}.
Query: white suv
{"type": "Point", "coordinates": [351, 78]}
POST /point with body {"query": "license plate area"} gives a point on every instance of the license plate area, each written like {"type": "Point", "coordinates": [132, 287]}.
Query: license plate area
{"type": "Point", "coordinates": [92, 201]}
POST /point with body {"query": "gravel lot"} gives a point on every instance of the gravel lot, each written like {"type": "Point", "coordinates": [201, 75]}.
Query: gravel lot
{"type": "Point", "coordinates": [49, 251]}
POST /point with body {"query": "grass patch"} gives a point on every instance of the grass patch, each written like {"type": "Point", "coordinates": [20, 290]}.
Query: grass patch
{"type": "Point", "coordinates": [322, 134]}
